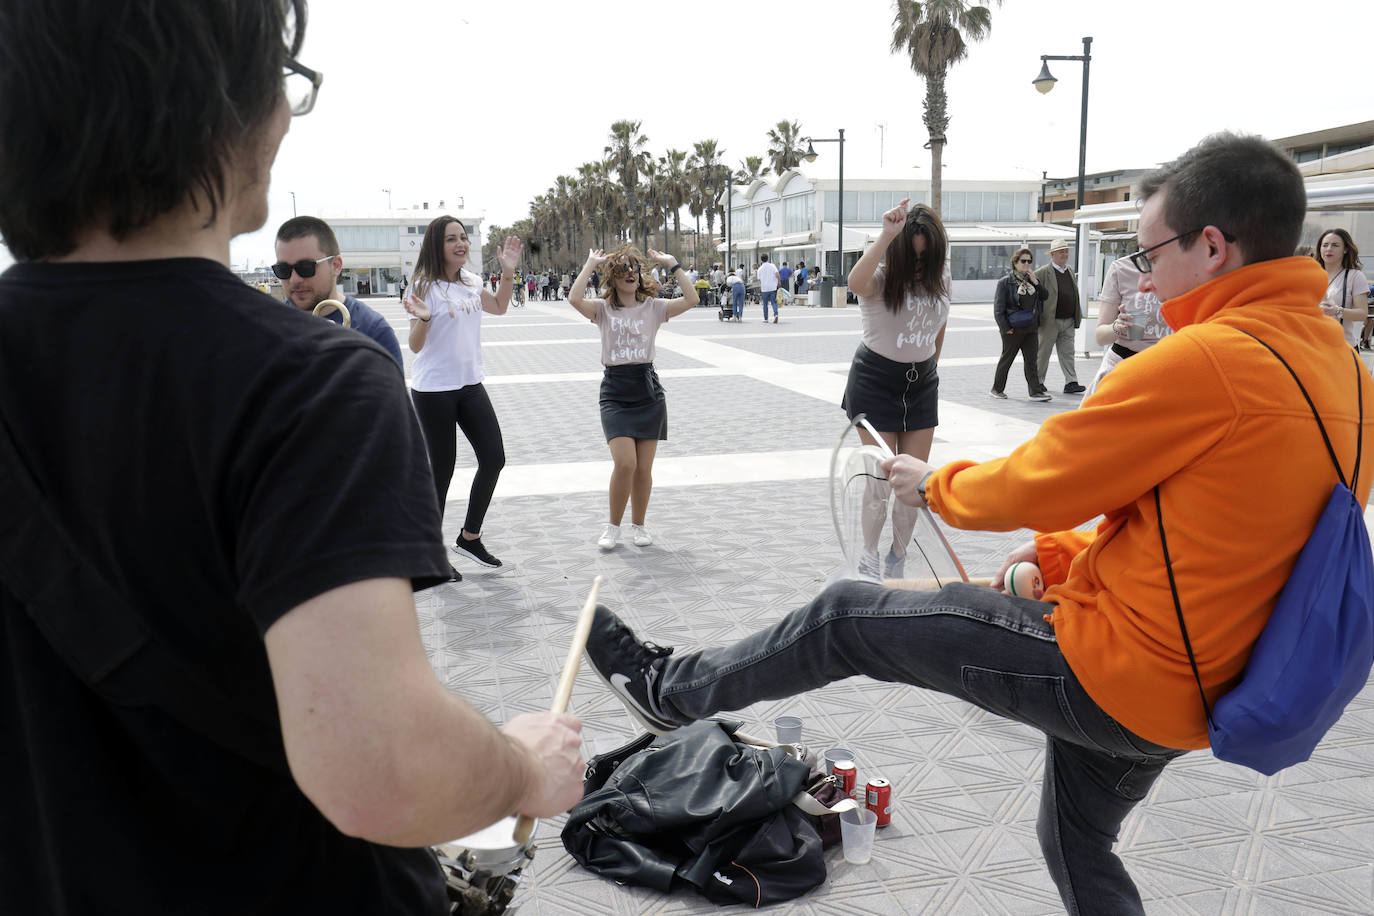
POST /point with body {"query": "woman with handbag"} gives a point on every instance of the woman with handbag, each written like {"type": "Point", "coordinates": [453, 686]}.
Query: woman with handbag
{"type": "Point", "coordinates": [1016, 306]}
{"type": "Point", "coordinates": [1347, 289]}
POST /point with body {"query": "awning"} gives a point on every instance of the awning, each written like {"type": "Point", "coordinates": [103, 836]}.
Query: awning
{"type": "Point", "coordinates": [1340, 195]}
{"type": "Point", "coordinates": [854, 239]}
{"type": "Point", "coordinates": [1116, 211]}
{"type": "Point", "coordinates": [1030, 233]}
{"type": "Point", "coordinates": [745, 245]}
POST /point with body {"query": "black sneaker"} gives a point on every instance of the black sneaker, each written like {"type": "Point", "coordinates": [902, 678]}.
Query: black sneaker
{"type": "Point", "coordinates": [1074, 388]}
{"type": "Point", "coordinates": [474, 549]}
{"type": "Point", "coordinates": [629, 667]}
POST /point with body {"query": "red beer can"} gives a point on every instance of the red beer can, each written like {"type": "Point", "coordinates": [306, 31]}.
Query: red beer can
{"type": "Point", "coordinates": [848, 775]}
{"type": "Point", "coordinates": [879, 801]}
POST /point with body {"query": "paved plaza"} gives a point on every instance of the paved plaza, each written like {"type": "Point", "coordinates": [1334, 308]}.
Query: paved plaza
{"type": "Point", "coordinates": [742, 530]}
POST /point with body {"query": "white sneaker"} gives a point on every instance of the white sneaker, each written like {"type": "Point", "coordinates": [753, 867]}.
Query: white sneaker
{"type": "Point", "coordinates": [609, 538]}
{"type": "Point", "coordinates": [870, 567]}
{"type": "Point", "coordinates": [642, 538]}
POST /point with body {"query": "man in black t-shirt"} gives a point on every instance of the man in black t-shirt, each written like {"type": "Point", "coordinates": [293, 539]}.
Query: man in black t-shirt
{"type": "Point", "coordinates": [279, 743]}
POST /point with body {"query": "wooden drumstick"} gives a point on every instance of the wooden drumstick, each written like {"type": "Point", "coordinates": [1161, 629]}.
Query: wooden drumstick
{"type": "Point", "coordinates": [929, 585]}
{"type": "Point", "coordinates": [524, 825]}
{"type": "Point", "coordinates": [333, 305]}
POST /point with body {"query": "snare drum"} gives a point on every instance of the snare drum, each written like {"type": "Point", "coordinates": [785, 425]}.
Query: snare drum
{"type": "Point", "coordinates": [483, 869]}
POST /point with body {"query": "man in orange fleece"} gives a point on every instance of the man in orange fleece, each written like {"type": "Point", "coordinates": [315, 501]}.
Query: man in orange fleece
{"type": "Point", "coordinates": [1099, 664]}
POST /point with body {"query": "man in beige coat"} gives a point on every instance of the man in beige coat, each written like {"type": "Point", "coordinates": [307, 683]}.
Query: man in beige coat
{"type": "Point", "coordinates": [1060, 317]}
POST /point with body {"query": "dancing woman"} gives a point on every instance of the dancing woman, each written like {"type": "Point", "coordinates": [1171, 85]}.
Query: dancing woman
{"type": "Point", "coordinates": [903, 285]}
{"type": "Point", "coordinates": [634, 412]}
{"type": "Point", "coordinates": [446, 303]}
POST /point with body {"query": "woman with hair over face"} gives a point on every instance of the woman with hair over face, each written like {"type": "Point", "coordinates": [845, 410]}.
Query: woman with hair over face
{"type": "Point", "coordinates": [1019, 294]}
{"type": "Point", "coordinates": [634, 411]}
{"type": "Point", "coordinates": [446, 303]}
{"type": "Point", "coordinates": [903, 285]}
{"type": "Point", "coordinates": [1347, 288]}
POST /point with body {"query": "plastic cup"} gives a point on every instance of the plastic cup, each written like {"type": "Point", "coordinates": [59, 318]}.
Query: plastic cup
{"type": "Point", "coordinates": [789, 729]}
{"type": "Point", "coordinates": [834, 755]}
{"type": "Point", "coordinates": [857, 828]}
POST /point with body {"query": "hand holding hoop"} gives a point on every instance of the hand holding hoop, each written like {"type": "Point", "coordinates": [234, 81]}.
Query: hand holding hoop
{"type": "Point", "coordinates": [327, 306]}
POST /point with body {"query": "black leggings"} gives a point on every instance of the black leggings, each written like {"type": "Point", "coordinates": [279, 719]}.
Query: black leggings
{"type": "Point", "coordinates": [471, 409]}
{"type": "Point", "coordinates": [1023, 341]}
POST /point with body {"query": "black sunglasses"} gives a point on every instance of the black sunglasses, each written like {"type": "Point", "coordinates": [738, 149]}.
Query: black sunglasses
{"type": "Point", "coordinates": [619, 269]}
{"type": "Point", "coordinates": [1141, 258]}
{"type": "Point", "coordinates": [1024, 261]}
{"type": "Point", "coordinates": [304, 269]}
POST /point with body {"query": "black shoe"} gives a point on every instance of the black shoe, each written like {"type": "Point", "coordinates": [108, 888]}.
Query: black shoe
{"type": "Point", "coordinates": [474, 549]}
{"type": "Point", "coordinates": [453, 574]}
{"type": "Point", "coordinates": [1074, 388]}
{"type": "Point", "coordinates": [629, 667]}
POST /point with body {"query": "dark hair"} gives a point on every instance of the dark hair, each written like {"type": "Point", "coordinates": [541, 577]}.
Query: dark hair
{"type": "Point", "coordinates": [429, 265]}
{"type": "Point", "coordinates": [298, 227]}
{"type": "Point", "coordinates": [628, 254]}
{"type": "Point", "coordinates": [1016, 255]}
{"type": "Point", "coordinates": [763, 257]}
{"type": "Point", "coordinates": [907, 275]}
{"type": "Point", "coordinates": [114, 114]}
{"type": "Point", "coordinates": [1350, 260]}
{"type": "Point", "coordinates": [1243, 185]}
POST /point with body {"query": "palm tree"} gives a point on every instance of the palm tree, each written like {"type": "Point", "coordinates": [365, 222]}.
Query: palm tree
{"type": "Point", "coordinates": [932, 36]}
{"type": "Point", "coordinates": [708, 169]}
{"type": "Point", "coordinates": [750, 170]}
{"type": "Point", "coordinates": [784, 146]}
{"type": "Point", "coordinates": [675, 187]}
{"type": "Point", "coordinates": [627, 153]}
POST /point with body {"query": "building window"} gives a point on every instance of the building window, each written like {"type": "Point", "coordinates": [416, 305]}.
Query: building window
{"type": "Point", "coordinates": [800, 213]}
{"type": "Point", "coordinates": [366, 238]}
{"type": "Point", "coordinates": [851, 206]}
{"type": "Point", "coordinates": [980, 262]}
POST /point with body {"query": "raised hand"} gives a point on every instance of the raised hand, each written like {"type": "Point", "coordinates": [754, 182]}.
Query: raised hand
{"type": "Point", "coordinates": [665, 260]}
{"type": "Point", "coordinates": [596, 257]}
{"type": "Point", "coordinates": [510, 254]}
{"type": "Point", "coordinates": [417, 307]}
{"type": "Point", "coordinates": [895, 219]}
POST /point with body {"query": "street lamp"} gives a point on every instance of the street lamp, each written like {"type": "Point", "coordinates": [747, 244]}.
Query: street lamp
{"type": "Point", "coordinates": [810, 156]}
{"type": "Point", "coordinates": [714, 185]}
{"type": "Point", "coordinates": [1044, 83]}
{"type": "Point", "coordinates": [387, 192]}
{"type": "Point", "coordinates": [293, 203]}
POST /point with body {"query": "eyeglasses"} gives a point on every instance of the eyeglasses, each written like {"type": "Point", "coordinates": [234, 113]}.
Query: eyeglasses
{"type": "Point", "coordinates": [620, 270]}
{"type": "Point", "coordinates": [1024, 261]}
{"type": "Point", "coordinates": [1141, 258]}
{"type": "Point", "coordinates": [304, 269]}
{"type": "Point", "coordinates": [302, 85]}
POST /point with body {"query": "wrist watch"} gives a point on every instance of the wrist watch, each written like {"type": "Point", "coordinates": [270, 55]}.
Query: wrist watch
{"type": "Point", "coordinates": [675, 268]}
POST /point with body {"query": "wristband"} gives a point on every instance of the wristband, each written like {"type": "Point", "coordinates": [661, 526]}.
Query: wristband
{"type": "Point", "coordinates": [921, 487]}
{"type": "Point", "coordinates": [675, 268]}
{"type": "Point", "coordinates": [425, 320]}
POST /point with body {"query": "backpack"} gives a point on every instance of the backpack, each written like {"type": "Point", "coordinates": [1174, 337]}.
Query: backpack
{"type": "Point", "coordinates": [1317, 649]}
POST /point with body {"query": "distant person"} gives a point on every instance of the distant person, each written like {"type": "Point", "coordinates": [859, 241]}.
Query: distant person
{"type": "Point", "coordinates": [446, 305]}
{"type": "Point", "coordinates": [308, 265]}
{"type": "Point", "coordinates": [1347, 288]}
{"type": "Point", "coordinates": [1060, 317]}
{"type": "Point", "coordinates": [768, 287]}
{"type": "Point", "coordinates": [736, 284]}
{"type": "Point", "coordinates": [785, 280]}
{"type": "Point", "coordinates": [634, 409]}
{"type": "Point", "coordinates": [800, 277]}
{"type": "Point", "coordinates": [1016, 306]}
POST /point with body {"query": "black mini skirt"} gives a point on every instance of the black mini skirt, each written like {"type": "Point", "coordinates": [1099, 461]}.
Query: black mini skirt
{"type": "Point", "coordinates": [632, 403]}
{"type": "Point", "coordinates": [895, 397]}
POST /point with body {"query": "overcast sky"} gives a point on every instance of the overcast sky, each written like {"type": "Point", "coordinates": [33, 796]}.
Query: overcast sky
{"type": "Point", "coordinates": [437, 99]}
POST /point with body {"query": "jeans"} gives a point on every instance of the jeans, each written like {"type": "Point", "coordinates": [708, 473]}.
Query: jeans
{"type": "Point", "coordinates": [970, 642]}
{"type": "Point", "coordinates": [770, 296]}
{"type": "Point", "coordinates": [737, 298]}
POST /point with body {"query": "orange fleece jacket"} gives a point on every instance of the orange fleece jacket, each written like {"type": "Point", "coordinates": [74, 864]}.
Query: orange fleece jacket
{"type": "Point", "coordinates": [1214, 419]}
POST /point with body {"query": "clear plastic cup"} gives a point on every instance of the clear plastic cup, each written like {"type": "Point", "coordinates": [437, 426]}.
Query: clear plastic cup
{"type": "Point", "coordinates": [834, 755]}
{"type": "Point", "coordinates": [789, 729]}
{"type": "Point", "coordinates": [857, 828]}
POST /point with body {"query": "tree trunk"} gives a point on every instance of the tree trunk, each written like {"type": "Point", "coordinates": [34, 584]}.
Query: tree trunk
{"type": "Point", "coordinates": [936, 119]}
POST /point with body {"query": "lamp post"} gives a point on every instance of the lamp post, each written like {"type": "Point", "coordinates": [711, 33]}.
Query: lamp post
{"type": "Point", "coordinates": [293, 203]}
{"type": "Point", "coordinates": [387, 192]}
{"type": "Point", "coordinates": [810, 156]}
{"type": "Point", "coordinates": [714, 185]}
{"type": "Point", "coordinates": [1044, 83]}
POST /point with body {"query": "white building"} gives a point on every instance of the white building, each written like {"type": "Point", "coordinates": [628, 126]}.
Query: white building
{"type": "Point", "coordinates": [378, 247]}
{"type": "Point", "coordinates": [796, 218]}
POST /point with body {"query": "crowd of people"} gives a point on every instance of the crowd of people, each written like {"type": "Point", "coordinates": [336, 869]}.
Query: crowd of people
{"type": "Point", "coordinates": [213, 663]}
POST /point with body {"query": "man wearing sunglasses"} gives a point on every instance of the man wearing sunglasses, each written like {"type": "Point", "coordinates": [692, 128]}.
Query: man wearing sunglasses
{"type": "Point", "coordinates": [308, 265]}
{"type": "Point", "coordinates": [1206, 418]}
{"type": "Point", "coordinates": [214, 695]}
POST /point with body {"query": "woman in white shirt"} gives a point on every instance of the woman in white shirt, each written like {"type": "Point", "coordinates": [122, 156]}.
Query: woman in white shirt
{"type": "Point", "coordinates": [903, 285]}
{"type": "Point", "coordinates": [1347, 288]}
{"type": "Point", "coordinates": [446, 303]}
{"type": "Point", "coordinates": [634, 411]}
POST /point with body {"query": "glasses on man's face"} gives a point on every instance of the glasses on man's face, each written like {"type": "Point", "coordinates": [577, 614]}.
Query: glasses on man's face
{"type": "Point", "coordinates": [1141, 258]}
{"type": "Point", "coordinates": [302, 85]}
{"type": "Point", "coordinates": [304, 269]}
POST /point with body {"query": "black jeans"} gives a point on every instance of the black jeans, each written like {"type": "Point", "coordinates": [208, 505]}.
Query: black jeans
{"type": "Point", "coordinates": [1024, 341]}
{"type": "Point", "coordinates": [470, 408]}
{"type": "Point", "coordinates": [966, 641]}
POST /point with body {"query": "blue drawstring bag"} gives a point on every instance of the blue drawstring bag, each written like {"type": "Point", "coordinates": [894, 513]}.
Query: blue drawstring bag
{"type": "Point", "coordinates": [1315, 653]}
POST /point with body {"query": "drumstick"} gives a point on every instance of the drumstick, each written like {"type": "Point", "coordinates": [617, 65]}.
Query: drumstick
{"type": "Point", "coordinates": [524, 825]}
{"type": "Point", "coordinates": [929, 585]}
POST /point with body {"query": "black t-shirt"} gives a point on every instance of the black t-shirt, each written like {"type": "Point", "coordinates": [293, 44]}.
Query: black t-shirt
{"type": "Point", "coordinates": [220, 459]}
